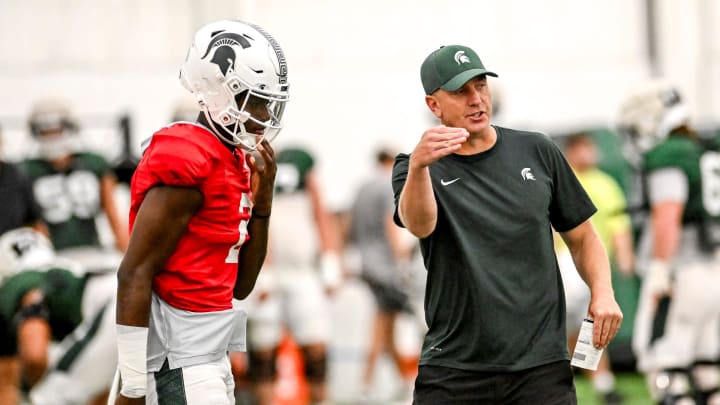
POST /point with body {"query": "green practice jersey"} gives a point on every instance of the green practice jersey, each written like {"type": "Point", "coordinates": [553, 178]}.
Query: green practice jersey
{"type": "Point", "coordinates": [700, 164]}
{"type": "Point", "coordinates": [494, 299]}
{"type": "Point", "coordinates": [62, 302]}
{"type": "Point", "coordinates": [70, 199]}
{"type": "Point", "coordinates": [293, 165]}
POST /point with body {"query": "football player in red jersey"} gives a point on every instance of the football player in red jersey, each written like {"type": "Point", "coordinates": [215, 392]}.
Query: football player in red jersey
{"type": "Point", "coordinates": [200, 205]}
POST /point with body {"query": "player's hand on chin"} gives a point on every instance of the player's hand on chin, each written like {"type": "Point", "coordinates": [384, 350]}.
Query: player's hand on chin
{"type": "Point", "coordinates": [262, 179]}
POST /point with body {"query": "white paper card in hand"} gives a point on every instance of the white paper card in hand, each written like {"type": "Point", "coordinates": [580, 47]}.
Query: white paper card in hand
{"type": "Point", "coordinates": [586, 355]}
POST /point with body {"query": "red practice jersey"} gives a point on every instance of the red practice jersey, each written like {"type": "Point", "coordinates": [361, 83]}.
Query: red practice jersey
{"type": "Point", "coordinates": [201, 273]}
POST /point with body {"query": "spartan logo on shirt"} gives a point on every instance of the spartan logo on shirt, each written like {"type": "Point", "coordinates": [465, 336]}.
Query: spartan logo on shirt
{"type": "Point", "coordinates": [527, 174]}
{"type": "Point", "coordinates": [224, 55]}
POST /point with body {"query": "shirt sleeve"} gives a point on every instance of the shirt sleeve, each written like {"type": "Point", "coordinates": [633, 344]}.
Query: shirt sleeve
{"type": "Point", "coordinates": [399, 176]}
{"type": "Point", "coordinates": [667, 184]}
{"type": "Point", "coordinates": [176, 161]}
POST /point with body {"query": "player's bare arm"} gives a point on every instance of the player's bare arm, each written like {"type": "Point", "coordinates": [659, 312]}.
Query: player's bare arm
{"type": "Point", "coordinates": [666, 219]}
{"type": "Point", "coordinates": [417, 207]}
{"type": "Point", "coordinates": [161, 220]}
{"type": "Point", "coordinates": [624, 252]}
{"type": "Point", "coordinates": [592, 263]}
{"type": "Point", "coordinates": [33, 338]}
{"type": "Point", "coordinates": [107, 199]}
{"type": "Point", "coordinates": [328, 235]}
{"type": "Point", "coordinates": [9, 380]}
{"type": "Point", "coordinates": [254, 251]}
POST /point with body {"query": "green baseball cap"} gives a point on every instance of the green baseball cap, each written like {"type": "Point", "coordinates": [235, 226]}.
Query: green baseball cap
{"type": "Point", "coordinates": [450, 67]}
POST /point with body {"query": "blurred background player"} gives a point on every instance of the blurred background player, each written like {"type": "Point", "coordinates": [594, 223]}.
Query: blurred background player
{"type": "Point", "coordinates": [57, 332]}
{"type": "Point", "coordinates": [18, 205]}
{"type": "Point", "coordinates": [303, 268]}
{"type": "Point", "coordinates": [676, 328]}
{"type": "Point", "coordinates": [72, 186]}
{"type": "Point", "coordinates": [384, 257]}
{"type": "Point", "coordinates": [614, 228]}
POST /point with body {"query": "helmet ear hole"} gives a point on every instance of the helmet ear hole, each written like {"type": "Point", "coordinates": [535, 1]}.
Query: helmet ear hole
{"type": "Point", "coordinates": [234, 85]}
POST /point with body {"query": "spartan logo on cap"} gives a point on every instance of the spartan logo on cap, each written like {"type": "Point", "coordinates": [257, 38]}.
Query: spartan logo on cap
{"type": "Point", "coordinates": [461, 58]}
{"type": "Point", "coordinates": [225, 56]}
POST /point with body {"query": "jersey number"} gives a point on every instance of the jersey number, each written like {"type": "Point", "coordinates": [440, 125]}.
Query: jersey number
{"type": "Point", "coordinates": [710, 172]}
{"type": "Point", "coordinates": [62, 197]}
{"type": "Point", "coordinates": [234, 252]}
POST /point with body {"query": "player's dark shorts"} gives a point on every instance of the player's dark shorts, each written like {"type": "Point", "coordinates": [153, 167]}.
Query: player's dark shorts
{"type": "Point", "coordinates": [549, 384]}
{"type": "Point", "coordinates": [388, 297]}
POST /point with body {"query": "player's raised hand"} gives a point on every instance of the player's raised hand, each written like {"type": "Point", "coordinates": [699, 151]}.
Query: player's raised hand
{"type": "Point", "coordinates": [436, 143]}
{"type": "Point", "coordinates": [262, 179]}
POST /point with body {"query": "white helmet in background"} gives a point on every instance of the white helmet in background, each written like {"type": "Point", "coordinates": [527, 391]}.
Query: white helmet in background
{"type": "Point", "coordinates": [650, 113]}
{"type": "Point", "coordinates": [231, 58]}
{"type": "Point", "coordinates": [185, 110]}
{"type": "Point", "coordinates": [23, 249]}
{"type": "Point", "coordinates": [53, 127]}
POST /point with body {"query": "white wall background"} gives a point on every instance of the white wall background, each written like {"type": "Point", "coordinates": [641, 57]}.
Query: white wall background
{"type": "Point", "coordinates": [354, 66]}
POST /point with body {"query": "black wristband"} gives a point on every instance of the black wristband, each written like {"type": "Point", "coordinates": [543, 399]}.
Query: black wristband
{"type": "Point", "coordinates": [254, 215]}
{"type": "Point", "coordinates": [37, 310]}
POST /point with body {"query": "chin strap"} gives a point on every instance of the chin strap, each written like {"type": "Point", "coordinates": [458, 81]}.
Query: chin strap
{"type": "Point", "coordinates": [248, 143]}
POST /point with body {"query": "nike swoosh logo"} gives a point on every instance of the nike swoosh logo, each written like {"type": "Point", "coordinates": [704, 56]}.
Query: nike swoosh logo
{"type": "Point", "coordinates": [449, 182]}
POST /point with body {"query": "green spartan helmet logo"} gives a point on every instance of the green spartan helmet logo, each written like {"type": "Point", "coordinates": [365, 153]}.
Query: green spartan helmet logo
{"type": "Point", "coordinates": [225, 56]}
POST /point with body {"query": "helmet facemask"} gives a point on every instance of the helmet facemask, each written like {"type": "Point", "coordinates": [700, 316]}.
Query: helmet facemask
{"type": "Point", "coordinates": [254, 117]}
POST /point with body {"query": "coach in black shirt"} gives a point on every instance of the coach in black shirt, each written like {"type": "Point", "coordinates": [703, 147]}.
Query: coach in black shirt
{"type": "Point", "coordinates": [483, 199]}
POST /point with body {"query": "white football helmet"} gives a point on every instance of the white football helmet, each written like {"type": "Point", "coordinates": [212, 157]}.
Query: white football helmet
{"type": "Point", "coordinates": [23, 249]}
{"type": "Point", "coordinates": [649, 114]}
{"type": "Point", "coordinates": [53, 127]}
{"type": "Point", "coordinates": [231, 58]}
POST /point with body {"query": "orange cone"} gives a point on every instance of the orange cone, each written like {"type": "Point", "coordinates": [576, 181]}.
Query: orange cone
{"type": "Point", "coordinates": [291, 388]}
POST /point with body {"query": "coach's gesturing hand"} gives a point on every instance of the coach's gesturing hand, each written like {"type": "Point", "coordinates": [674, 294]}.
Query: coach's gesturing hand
{"type": "Point", "coordinates": [435, 143]}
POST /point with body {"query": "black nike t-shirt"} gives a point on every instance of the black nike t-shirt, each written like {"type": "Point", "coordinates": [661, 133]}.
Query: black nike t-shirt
{"type": "Point", "coordinates": [494, 298]}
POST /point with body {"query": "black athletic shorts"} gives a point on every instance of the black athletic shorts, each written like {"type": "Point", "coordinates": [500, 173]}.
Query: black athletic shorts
{"type": "Point", "coordinates": [549, 384]}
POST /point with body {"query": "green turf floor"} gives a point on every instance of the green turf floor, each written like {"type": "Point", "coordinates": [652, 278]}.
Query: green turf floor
{"type": "Point", "coordinates": [630, 385]}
